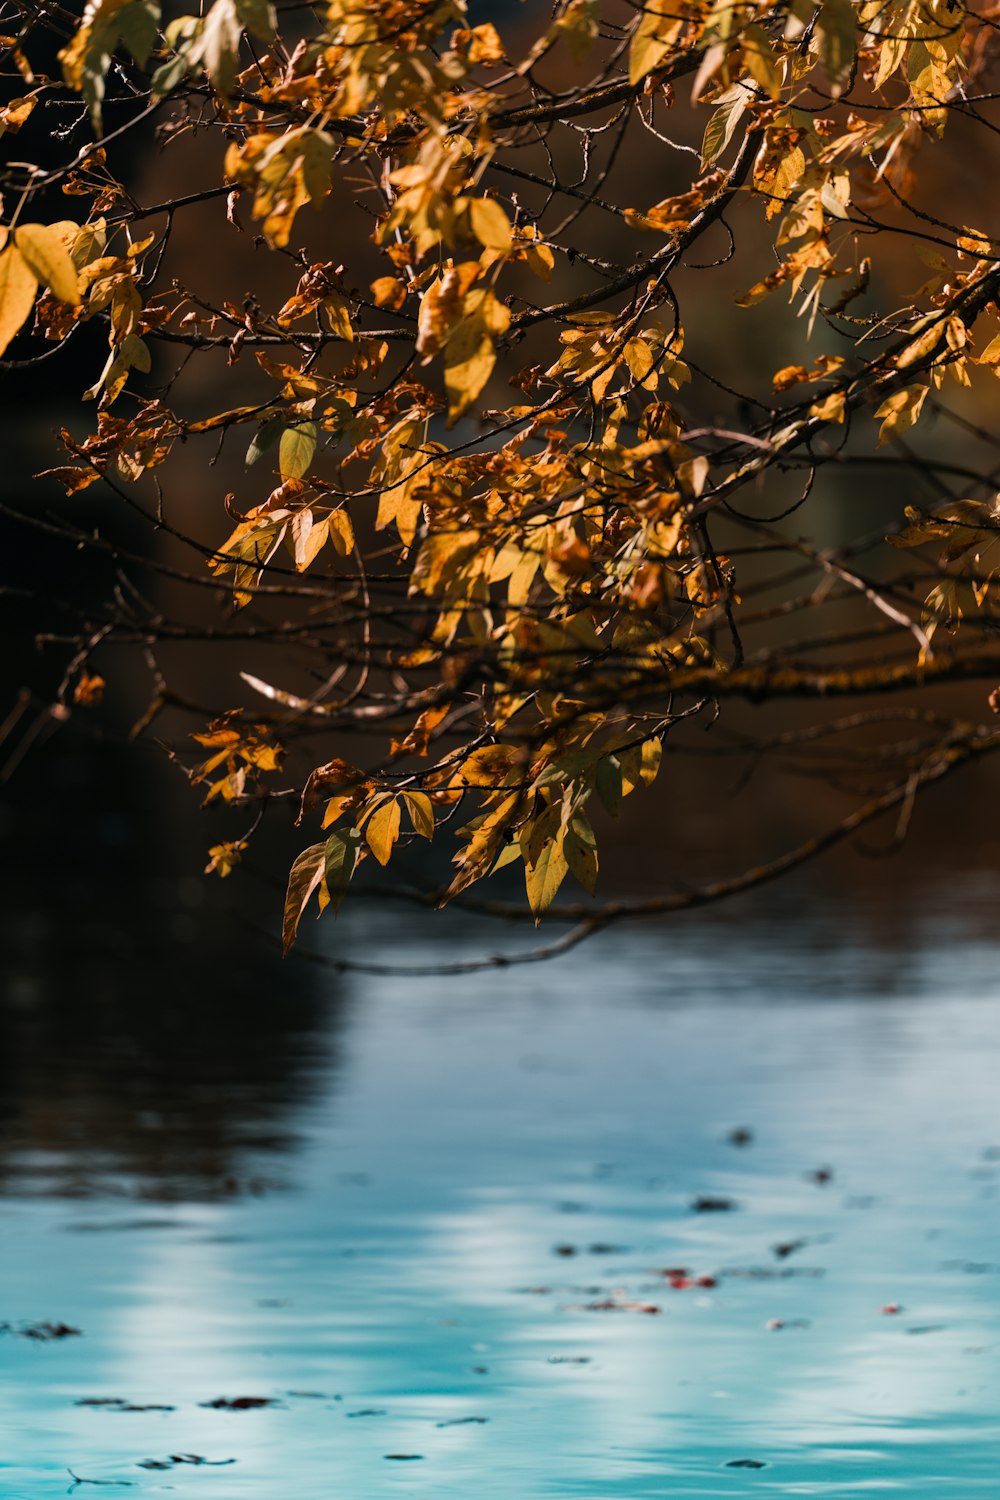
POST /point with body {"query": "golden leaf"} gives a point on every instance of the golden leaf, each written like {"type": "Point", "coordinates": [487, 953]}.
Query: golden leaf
{"type": "Point", "coordinates": [285, 172]}
{"type": "Point", "coordinates": [14, 114]}
{"type": "Point", "coordinates": [421, 811]}
{"type": "Point", "coordinates": [477, 858]}
{"type": "Point", "coordinates": [490, 224]}
{"type": "Point", "coordinates": [341, 532]}
{"type": "Point", "coordinates": [480, 44]}
{"type": "Point", "coordinates": [470, 354]}
{"type": "Point", "coordinates": [18, 285]}
{"type": "Point", "coordinates": [830, 408]}
{"type": "Point", "coordinates": [389, 291]}
{"type": "Point", "coordinates": [339, 317]}
{"type": "Point", "coordinates": [382, 830]}
{"type": "Point", "coordinates": [488, 765]}
{"type": "Point", "coordinates": [548, 869]}
{"type": "Point", "coordinates": [652, 39]}
{"type": "Point", "coordinates": [900, 411]}
{"type": "Point", "coordinates": [924, 344]}
{"type": "Point", "coordinates": [224, 858]}
{"type": "Point", "coordinates": [71, 477]}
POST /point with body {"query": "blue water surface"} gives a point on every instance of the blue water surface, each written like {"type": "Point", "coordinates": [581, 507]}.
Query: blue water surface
{"type": "Point", "coordinates": [446, 1269]}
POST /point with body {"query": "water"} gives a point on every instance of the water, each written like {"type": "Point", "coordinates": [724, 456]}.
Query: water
{"type": "Point", "coordinates": [382, 1247]}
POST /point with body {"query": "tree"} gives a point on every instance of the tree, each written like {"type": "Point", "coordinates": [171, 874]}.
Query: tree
{"type": "Point", "coordinates": [545, 431]}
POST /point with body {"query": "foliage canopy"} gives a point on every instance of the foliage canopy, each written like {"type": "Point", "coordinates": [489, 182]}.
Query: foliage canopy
{"type": "Point", "coordinates": [544, 431]}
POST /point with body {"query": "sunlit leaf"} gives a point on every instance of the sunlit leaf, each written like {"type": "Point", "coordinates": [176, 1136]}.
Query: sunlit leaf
{"type": "Point", "coordinates": [44, 250]}
{"type": "Point", "coordinates": [900, 412]}
{"type": "Point", "coordinates": [545, 863]}
{"type": "Point", "coordinates": [382, 830]}
{"type": "Point", "coordinates": [296, 449]}
{"type": "Point", "coordinates": [421, 811]}
{"type": "Point", "coordinates": [490, 224]}
{"type": "Point", "coordinates": [18, 285]}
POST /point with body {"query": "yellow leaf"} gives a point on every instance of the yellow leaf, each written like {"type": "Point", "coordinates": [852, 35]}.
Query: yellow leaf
{"type": "Point", "coordinates": [540, 260]}
{"type": "Point", "coordinates": [389, 291]}
{"type": "Point", "coordinates": [543, 878]}
{"type": "Point", "coordinates": [900, 412]}
{"type": "Point", "coordinates": [478, 856]}
{"type": "Point", "coordinates": [488, 765]}
{"type": "Point", "coordinates": [44, 249]}
{"type": "Point", "coordinates": [890, 57]}
{"type": "Point", "coordinates": [974, 243]}
{"type": "Point", "coordinates": [224, 858]}
{"type": "Point", "coordinates": [651, 41]}
{"type": "Point", "coordinates": [490, 224]}
{"type": "Point", "coordinates": [339, 316]}
{"type": "Point", "coordinates": [284, 172]}
{"type": "Point", "coordinates": [18, 285]}
{"type": "Point", "coordinates": [991, 354]}
{"type": "Point", "coordinates": [652, 754]}
{"type": "Point", "coordinates": [639, 358]}
{"type": "Point", "coordinates": [382, 830]}
{"type": "Point", "coordinates": [14, 114]}
{"type": "Point", "coordinates": [421, 811]}
{"type": "Point", "coordinates": [480, 44]}
{"type": "Point", "coordinates": [337, 806]}
{"type": "Point", "coordinates": [921, 346]}
{"type": "Point", "coordinates": [442, 305]}
{"type": "Point", "coordinates": [341, 532]}
{"type": "Point", "coordinates": [830, 408]}
{"type": "Point", "coordinates": [296, 449]}
{"type": "Point", "coordinates": [469, 354]}
{"type": "Point", "coordinates": [722, 126]}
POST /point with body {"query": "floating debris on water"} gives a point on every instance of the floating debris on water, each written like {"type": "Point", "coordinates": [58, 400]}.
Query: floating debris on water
{"type": "Point", "coordinates": [194, 1459]}
{"type": "Point", "coordinates": [42, 1333]}
{"type": "Point", "coordinates": [116, 1403]}
{"type": "Point", "coordinates": [240, 1403]}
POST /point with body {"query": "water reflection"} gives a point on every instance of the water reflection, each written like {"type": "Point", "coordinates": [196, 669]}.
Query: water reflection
{"type": "Point", "coordinates": [151, 1041]}
{"type": "Point", "coordinates": [487, 1186]}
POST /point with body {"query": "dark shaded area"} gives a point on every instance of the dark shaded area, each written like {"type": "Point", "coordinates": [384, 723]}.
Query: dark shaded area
{"type": "Point", "coordinates": [148, 1027]}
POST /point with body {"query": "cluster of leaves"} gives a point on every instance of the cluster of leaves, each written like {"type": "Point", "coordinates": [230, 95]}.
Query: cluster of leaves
{"type": "Point", "coordinates": [522, 601]}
